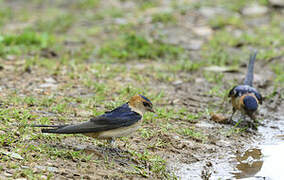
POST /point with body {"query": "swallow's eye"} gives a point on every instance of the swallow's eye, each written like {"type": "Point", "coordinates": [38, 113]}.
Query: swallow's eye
{"type": "Point", "coordinates": [146, 104]}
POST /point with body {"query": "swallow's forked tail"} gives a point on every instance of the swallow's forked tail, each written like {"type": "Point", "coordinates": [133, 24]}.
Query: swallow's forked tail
{"type": "Point", "coordinates": [249, 77]}
{"type": "Point", "coordinates": [49, 130]}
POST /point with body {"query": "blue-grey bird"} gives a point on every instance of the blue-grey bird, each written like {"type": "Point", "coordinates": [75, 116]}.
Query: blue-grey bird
{"type": "Point", "coordinates": [121, 121]}
{"type": "Point", "coordinates": [245, 97]}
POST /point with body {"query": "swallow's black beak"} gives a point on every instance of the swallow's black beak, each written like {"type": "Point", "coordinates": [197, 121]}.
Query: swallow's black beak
{"type": "Point", "coordinates": [151, 110]}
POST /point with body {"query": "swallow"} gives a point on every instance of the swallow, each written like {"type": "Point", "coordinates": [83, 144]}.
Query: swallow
{"type": "Point", "coordinates": [245, 97]}
{"type": "Point", "coordinates": [122, 121]}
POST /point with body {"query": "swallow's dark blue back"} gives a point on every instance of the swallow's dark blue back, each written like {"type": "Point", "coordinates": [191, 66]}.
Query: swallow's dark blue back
{"type": "Point", "coordinates": [122, 115]}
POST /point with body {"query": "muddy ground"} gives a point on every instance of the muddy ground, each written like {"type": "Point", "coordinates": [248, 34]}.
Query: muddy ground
{"type": "Point", "coordinates": [66, 61]}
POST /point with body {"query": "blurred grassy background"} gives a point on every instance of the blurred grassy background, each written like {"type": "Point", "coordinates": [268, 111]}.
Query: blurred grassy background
{"type": "Point", "coordinates": [65, 60]}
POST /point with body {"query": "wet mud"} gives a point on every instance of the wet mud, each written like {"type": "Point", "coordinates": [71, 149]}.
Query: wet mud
{"type": "Point", "coordinates": [261, 157]}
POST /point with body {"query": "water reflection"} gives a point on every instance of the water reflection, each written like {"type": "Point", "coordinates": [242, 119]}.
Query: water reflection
{"type": "Point", "coordinates": [249, 163]}
{"type": "Point", "coordinates": [265, 162]}
{"type": "Point", "coordinates": [273, 158]}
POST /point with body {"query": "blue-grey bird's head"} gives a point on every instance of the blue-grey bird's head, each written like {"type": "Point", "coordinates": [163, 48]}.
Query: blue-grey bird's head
{"type": "Point", "coordinates": [250, 103]}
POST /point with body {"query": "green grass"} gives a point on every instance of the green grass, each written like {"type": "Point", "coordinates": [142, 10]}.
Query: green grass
{"type": "Point", "coordinates": [185, 65]}
{"type": "Point", "coordinates": [189, 132]}
{"type": "Point", "coordinates": [59, 24]}
{"type": "Point", "coordinates": [87, 4]}
{"type": "Point", "coordinates": [278, 70]}
{"type": "Point", "coordinates": [147, 4]}
{"type": "Point", "coordinates": [5, 14]}
{"type": "Point", "coordinates": [156, 164]}
{"type": "Point", "coordinates": [28, 38]}
{"type": "Point", "coordinates": [265, 36]}
{"type": "Point", "coordinates": [136, 47]}
{"type": "Point", "coordinates": [24, 42]}
{"type": "Point", "coordinates": [234, 6]}
{"type": "Point", "coordinates": [220, 22]}
{"type": "Point", "coordinates": [165, 18]}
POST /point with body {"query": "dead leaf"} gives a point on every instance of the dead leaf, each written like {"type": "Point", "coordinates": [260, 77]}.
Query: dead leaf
{"type": "Point", "coordinates": [219, 118]}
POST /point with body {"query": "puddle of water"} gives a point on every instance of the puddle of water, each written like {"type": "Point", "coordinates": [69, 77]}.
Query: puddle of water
{"type": "Point", "coordinates": [273, 161]}
{"type": "Point", "coordinates": [266, 162]}
{"type": "Point", "coordinates": [249, 163]}
{"type": "Point", "coordinates": [281, 137]}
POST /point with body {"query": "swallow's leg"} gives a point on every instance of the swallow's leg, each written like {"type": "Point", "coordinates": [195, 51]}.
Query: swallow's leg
{"type": "Point", "coordinates": [113, 147]}
{"type": "Point", "coordinates": [254, 122]}
{"type": "Point", "coordinates": [243, 117]}
{"type": "Point", "coordinates": [239, 121]}
{"type": "Point", "coordinates": [252, 125]}
{"type": "Point", "coordinates": [252, 116]}
{"type": "Point", "coordinates": [234, 111]}
{"type": "Point", "coordinates": [231, 118]}
{"type": "Point", "coordinates": [243, 122]}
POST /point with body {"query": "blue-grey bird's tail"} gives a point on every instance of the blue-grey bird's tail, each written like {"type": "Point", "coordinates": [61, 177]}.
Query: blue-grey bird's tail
{"type": "Point", "coordinates": [249, 77]}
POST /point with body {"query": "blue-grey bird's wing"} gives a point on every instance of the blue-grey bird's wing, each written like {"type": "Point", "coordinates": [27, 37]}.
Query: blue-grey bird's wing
{"type": "Point", "coordinates": [122, 116]}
